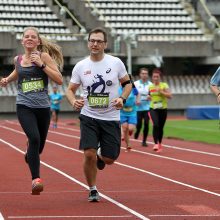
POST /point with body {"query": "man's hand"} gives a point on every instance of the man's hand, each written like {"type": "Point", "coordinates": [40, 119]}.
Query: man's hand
{"type": "Point", "coordinates": [218, 98]}
{"type": "Point", "coordinates": [118, 103]}
{"type": "Point", "coordinates": [78, 104]}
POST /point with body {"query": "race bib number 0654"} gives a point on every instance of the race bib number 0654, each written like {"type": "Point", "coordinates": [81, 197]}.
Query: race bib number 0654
{"type": "Point", "coordinates": [32, 85]}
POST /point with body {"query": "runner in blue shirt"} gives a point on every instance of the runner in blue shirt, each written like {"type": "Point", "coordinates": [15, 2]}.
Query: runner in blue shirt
{"type": "Point", "coordinates": [55, 100]}
{"type": "Point", "coordinates": [128, 115]}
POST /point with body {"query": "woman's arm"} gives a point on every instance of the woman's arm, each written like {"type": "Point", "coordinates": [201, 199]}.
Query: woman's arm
{"type": "Point", "coordinates": [167, 93]}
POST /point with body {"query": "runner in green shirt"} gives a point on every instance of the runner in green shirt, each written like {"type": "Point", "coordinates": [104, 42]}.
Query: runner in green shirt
{"type": "Point", "coordinates": [159, 93]}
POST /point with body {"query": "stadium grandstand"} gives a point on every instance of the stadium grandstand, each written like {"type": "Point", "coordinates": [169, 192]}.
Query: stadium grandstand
{"type": "Point", "coordinates": [182, 37]}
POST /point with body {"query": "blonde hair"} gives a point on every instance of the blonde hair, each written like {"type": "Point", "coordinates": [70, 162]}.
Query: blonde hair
{"type": "Point", "coordinates": [49, 47]}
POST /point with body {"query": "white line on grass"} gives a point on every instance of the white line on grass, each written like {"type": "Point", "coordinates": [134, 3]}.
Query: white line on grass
{"type": "Point", "coordinates": [137, 169]}
{"type": "Point", "coordinates": [133, 212]}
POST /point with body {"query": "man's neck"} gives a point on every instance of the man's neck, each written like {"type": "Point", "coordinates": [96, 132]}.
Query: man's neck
{"type": "Point", "coordinates": [97, 57]}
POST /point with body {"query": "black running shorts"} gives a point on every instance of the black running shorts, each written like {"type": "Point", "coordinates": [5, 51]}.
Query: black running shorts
{"type": "Point", "coordinates": [96, 132]}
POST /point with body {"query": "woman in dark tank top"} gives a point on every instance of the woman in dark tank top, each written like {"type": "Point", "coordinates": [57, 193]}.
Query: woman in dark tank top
{"type": "Point", "coordinates": [41, 60]}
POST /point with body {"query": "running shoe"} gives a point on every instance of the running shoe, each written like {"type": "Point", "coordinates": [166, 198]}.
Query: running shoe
{"type": "Point", "coordinates": [128, 148]}
{"type": "Point", "coordinates": [25, 155]}
{"type": "Point", "coordinates": [93, 196]}
{"type": "Point", "coordinates": [144, 144]}
{"type": "Point", "coordinates": [156, 147]}
{"type": "Point", "coordinates": [37, 186]}
{"type": "Point", "coordinates": [100, 163]}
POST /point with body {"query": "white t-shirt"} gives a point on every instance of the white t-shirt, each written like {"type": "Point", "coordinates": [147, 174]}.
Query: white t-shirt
{"type": "Point", "coordinates": [100, 83]}
{"type": "Point", "coordinates": [143, 90]}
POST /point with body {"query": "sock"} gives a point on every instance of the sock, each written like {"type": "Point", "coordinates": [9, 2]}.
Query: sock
{"type": "Point", "coordinates": [92, 188]}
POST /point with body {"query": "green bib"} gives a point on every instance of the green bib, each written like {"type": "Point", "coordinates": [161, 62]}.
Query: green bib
{"type": "Point", "coordinates": [98, 100]}
{"type": "Point", "coordinates": [32, 86]}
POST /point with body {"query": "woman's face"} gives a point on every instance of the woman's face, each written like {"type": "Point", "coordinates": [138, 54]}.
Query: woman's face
{"type": "Point", "coordinates": [156, 77]}
{"type": "Point", "coordinates": [30, 39]}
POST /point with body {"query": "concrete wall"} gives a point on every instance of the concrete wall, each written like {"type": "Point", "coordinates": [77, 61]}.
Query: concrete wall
{"type": "Point", "coordinates": [178, 102]}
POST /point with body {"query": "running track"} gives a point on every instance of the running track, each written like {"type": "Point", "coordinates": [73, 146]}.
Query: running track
{"type": "Point", "coordinates": [181, 183]}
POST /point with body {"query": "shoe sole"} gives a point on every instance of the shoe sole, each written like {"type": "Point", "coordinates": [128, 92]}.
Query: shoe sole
{"type": "Point", "coordinates": [93, 200]}
{"type": "Point", "coordinates": [37, 189]}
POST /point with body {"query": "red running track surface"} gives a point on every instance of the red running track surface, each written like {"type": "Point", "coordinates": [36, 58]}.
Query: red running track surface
{"type": "Point", "coordinates": [183, 182]}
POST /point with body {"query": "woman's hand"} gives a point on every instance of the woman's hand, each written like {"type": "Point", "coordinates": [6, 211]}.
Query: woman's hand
{"type": "Point", "coordinates": [35, 58]}
{"type": "Point", "coordinates": [4, 82]}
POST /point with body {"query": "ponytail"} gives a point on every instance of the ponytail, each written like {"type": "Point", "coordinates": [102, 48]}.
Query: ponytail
{"type": "Point", "coordinates": [52, 49]}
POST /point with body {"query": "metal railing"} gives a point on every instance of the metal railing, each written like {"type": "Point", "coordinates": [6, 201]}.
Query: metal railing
{"type": "Point", "coordinates": [211, 17]}
{"type": "Point", "coordinates": [65, 9]}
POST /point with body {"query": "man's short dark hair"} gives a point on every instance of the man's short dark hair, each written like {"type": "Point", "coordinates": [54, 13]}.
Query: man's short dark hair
{"type": "Point", "coordinates": [143, 69]}
{"type": "Point", "coordinates": [98, 30]}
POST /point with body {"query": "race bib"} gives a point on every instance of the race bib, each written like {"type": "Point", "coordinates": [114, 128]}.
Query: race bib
{"type": "Point", "coordinates": [157, 105]}
{"type": "Point", "coordinates": [128, 109]}
{"type": "Point", "coordinates": [98, 100]}
{"type": "Point", "coordinates": [32, 86]}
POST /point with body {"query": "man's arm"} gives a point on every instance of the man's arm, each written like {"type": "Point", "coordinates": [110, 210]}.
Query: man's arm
{"type": "Point", "coordinates": [71, 96]}
{"type": "Point", "coordinates": [216, 91]}
{"type": "Point", "coordinates": [127, 88]}
{"type": "Point", "coordinates": [118, 102]}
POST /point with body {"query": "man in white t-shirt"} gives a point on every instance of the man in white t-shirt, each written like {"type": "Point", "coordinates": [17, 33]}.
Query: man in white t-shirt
{"type": "Point", "coordinates": [100, 76]}
{"type": "Point", "coordinates": [143, 106]}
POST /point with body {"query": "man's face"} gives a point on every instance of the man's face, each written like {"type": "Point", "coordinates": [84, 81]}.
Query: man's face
{"type": "Point", "coordinates": [96, 43]}
{"type": "Point", "coordinates": [144, 75]}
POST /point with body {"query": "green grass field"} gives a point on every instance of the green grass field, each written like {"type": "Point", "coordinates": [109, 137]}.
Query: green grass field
{"type": "Point", "coordinates": [194, 130]}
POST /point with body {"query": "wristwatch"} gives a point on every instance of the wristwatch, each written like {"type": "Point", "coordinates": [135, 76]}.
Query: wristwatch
{"type": "Point", "coordinates": [123, 99]}
{"type": "Point", "coordinates": [43, 66]}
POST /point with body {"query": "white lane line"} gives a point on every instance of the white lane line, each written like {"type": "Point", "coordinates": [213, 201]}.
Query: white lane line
{"type": "Point", "coordinates": [63, 216]}
{"type": "Point", "coordinates": [165, 145]}
{"type": "Point", "coordinates": [140, 170]}
{"type": "Point", "coordinates": [139, 141]}
{"type": "Point", "coordinates": [184, 216]}
{"type": "Point", "coordinates": [131, 211]}
{"type": "Point", "coordinates": [1, 216]}
{"type": "Point", "coordinates": [183, 149]}
{"type": "Point", "coordinates": [150, 154]}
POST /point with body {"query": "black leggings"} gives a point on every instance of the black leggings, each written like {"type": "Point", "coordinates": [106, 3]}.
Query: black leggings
{"type": "Point", "coordinates": [140, 116]}
{"type": "Point", "coordinates": [35, 123]}
{"type": "Point", "coordinates": [159, 117]}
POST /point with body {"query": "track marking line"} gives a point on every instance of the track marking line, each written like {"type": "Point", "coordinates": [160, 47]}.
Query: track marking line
{"type": "Point", "coordinates": [1, 216]}
{"type": "Point", "coordinates": [74, 216]}
{"type": "Point", "coordinates": [137, 169]}
{"type": "Point", "coordinates": [151, 154]}
{"type": "Point", "coordinates": [139, 141]}
{"type": "Point", "coordinates": [120, 205]}
{"type": "Point", "coordinates": [184, 216]}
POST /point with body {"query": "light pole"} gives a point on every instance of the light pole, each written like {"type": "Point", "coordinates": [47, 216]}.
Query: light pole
{"type": "Point", "coordinates": [131, 42]}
